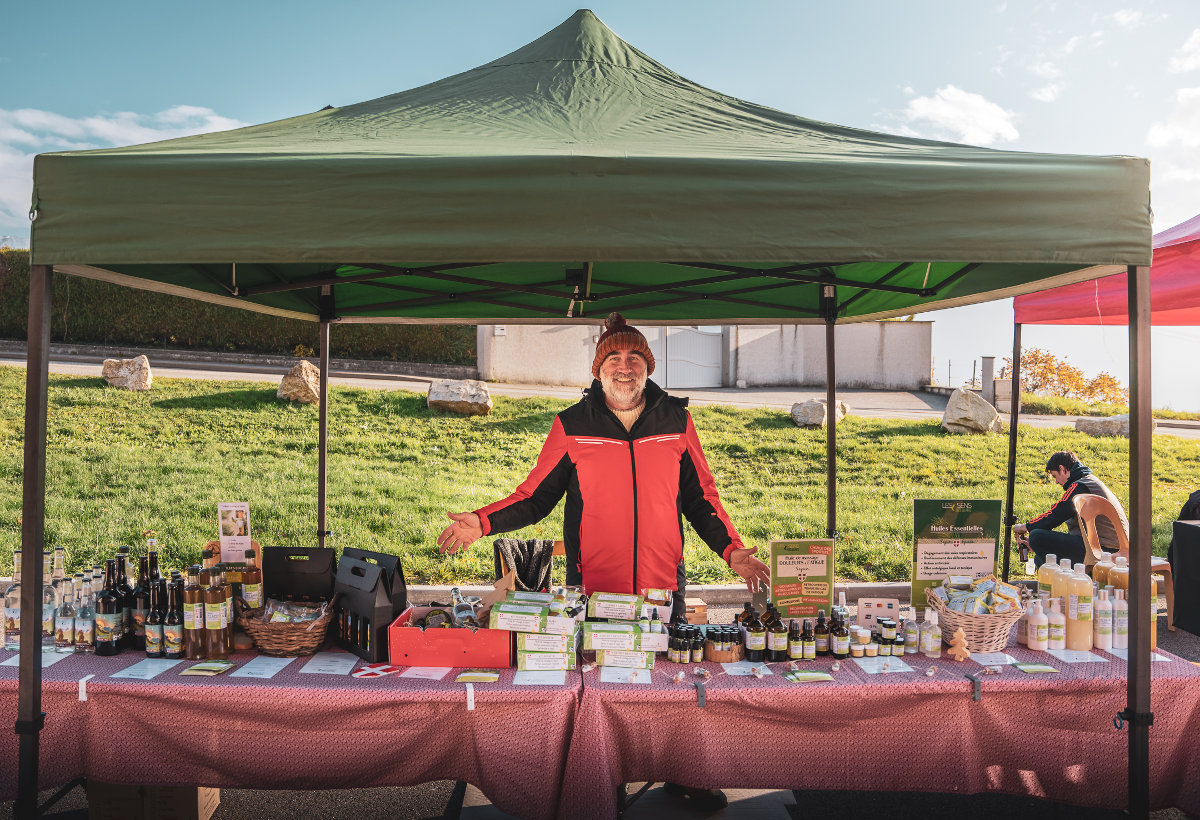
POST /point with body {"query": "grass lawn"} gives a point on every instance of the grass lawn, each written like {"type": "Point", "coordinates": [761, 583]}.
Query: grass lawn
{"type": "Point", "coordinates": [121, 463]}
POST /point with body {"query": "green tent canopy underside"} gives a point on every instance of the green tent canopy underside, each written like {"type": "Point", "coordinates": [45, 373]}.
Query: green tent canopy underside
{"type": "Point", "coordinates": [579, 152]}
{"type": "Point", "coordinates": [553, 293]}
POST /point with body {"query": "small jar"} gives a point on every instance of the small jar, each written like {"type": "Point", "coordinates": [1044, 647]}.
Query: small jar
{"type": "Point", "coordinates": [885, 648]}
{"type": "Point", "coordinates": [887, 628]}
{"type": "Point", "coordinates": [871, 649]}
{"type": "Point", "coordinates": [862, 636]}
{"type": "Point", "coordinates": [857, 650]}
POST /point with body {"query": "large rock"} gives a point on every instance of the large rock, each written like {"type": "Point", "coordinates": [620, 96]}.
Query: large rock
{"type": "Point", "coordinates": [812, 413]}
{"type": "Point", "coordinates": [1108, 426]}
{"type": "Point", "coordinates": [302, 384]}
{"type": "Point", "coordinates": [968, 412]}
{"type": "Point", "coordinates": [467, 396]}
{"type": "Point", "coordinates": [131, 374]}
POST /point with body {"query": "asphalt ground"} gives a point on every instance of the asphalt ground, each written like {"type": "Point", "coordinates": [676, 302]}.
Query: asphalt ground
{"type": "Point", "coordinates": [428, 800]}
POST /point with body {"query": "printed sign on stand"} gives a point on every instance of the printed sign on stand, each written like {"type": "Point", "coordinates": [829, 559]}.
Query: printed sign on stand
{"type": "Point", "coordinates": [802, 577]}
{"type": "Point", "coordinates": [233, 523]}
{"type": "Point", "coordinates": [953, 537]}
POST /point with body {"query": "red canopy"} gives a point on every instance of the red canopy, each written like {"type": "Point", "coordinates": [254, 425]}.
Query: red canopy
{"type": "Point", "coordinates": [1174, 289]}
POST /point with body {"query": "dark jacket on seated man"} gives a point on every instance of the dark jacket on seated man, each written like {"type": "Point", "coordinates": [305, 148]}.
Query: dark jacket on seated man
{"type": "Point", "coordinates": [1082, 482]}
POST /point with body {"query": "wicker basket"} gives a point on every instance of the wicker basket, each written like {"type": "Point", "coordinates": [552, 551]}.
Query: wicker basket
{"type": "Point", "coordinates": [284, 640]}
{"type": "Point", "coordinates": [985, 633]}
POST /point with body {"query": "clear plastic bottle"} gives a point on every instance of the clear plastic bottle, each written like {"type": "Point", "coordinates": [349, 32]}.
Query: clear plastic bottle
{"type": "Point", "coordinates": [1057, 627]}
{"type": "Point", "coordinates": [64, 618]}
{"type": "Point", "coordinates": [1039, 628]}
{"type": "Point", "coordinates": [1118, 576]}
{"type": "Point", "coordinates": [12, 608]}
{"type": "Point", "coordinates": [1078, 588]}
{"type": "Point", "coordinates": [1057, 582]}
{"type": "Point", "coordinates": [1023, 627]}
{"type": "Point", "coordinates": [1101, 570]}
{"type": "Point", "coordinates": [1102, 624]}
{"type": "Point", "coordinates": [912, 632]}
{"type": "Point", "coordinates": [931, 635]}
{"type": "Point", "coordinates": [1120, 620]}
{"type": "Point", "coordinates": [1046, 572]}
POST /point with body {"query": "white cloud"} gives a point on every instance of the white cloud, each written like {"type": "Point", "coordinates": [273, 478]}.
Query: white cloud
{"type": "Point", "coordinates": [27, 131]}
{"type": "Point", "coordinates": [1182, 127]}
{"type": "Point", "coordinates": [1127, 18]}
{"type": "Point", "coordinates": [1046, 69]}
{"type": "Point", "coordinates": [1072, 44]}
{"type": "Point", "coordinates": [1047, 93]}
{"type": "Point", "coordinates": [1187, 58]}
{"type": "Point", "coordinates": [962, 116]}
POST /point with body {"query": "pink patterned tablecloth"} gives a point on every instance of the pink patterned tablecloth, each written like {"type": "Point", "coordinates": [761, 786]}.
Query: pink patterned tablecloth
{"type": "Point", "coordinates": [1049, 736]}
{"type": "Point", "coordinates": [297, 731]}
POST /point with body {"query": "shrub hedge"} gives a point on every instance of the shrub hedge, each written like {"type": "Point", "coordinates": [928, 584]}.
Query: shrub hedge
{"type": "Point", "coordinates": [86, 311]}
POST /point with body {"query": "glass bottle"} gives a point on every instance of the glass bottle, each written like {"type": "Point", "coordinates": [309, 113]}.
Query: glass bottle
{"type": "Point", "coordinates": [756, 638]}
{"type": "Point", "coordinates": [777, 640]}
{"type": "Point", "coordinates": [821, 634]}
{"type": "Point", "coordinates": [808, 641]}
{"type": "Point", "coordinates": [207, 559]}
{"type": "Point", "coordinates": [60, 564]}
{"type": "Point", "coordinates": [108, 613]}
{"type": "Point", "coordinates": [795, 641]}
{"type": "Point", "coordinates": [744, 616]}
{"type": "Point", "coordinates": [12, 607]}
{"type": "Point", "coordinates": [173, 622]}
{"type": "Point", "coordinates": [49, 602]}
{"type": "Point", "coordinates": [125, 593]}
{"type": "Point", "coordinates": [152, 554]}
{"type": "Point", "coordinates": [697, 648]}
{"type": "Point", "coordinates": [215, 645]}
{"type": "Point", "coordinates": [64, 618]}
{"type": "Point", "coordinates": [655, 621]}
{"type": "Point", "coordinates": [194, 633]}
{"type": "Point", "coordinates": [227, 611]}
{"type": "Point", "coordinates": [912, 633]}
{"type": "Point", "coordinates": [839, 637]}
{"type": "Point", "coordinates": [141, 604]}
{"type": "Point", "coordinates": [153, 626]}
{"type": "Point", "coordinates": [85, 619]}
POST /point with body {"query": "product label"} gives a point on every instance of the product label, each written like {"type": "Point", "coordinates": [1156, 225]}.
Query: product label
{"type": "Point", "coordinates": [107, 627]}
{"type": "Point", "coordinates": [1043, 586]}
{"type": "Point", "coordinates": [64, 631]}
{"type": "Point", "coordinates": [1121, 624]}
{"type": "Point", "coordinates": [515, 622]}
{"type": "Point", "coordinates": [542, 643]}
{"type": "Point", "coordinates": [173, 639]}
{"type": "Point", "coordinates": [12, 619]}
{"type": "Point", "coordinates": [253, 595]}
{"type": "Point", "coordinates": [48, 620]}
{"type": "Point", "coordinates": [189, 616]}
{"type": "Point", "coordinates": [610, 640]}
{"type": "Point", "coordinates": [610, 609]}
{"type": "Point", "coordinates": [213, 616]}
{"type": "Point", "coordinates": [139, 621]}
{"type": "Point", "coordinates": [126, 620]}
{"type": "Point", "coordinates": [1104, 624]}
{"type": "Point", "coordinates": [1042, 633]}
{"type": "Point", "coordinates": [1084, 606]}
{"type": "Point", "coordinates": [779, 641]}
{"type": "Point", "coordinates": [1058, 632]}
{"type": "Point", "coordinates": [756, 641]}
{"type": "Point", "coordinates": [225, 618]}
{"type": "Point", "coordinates": [542, 660]}
{"type": "Point", "coordinates": [810, 650]}
{"type": "Point", "coordinates": [822, 643]}
{"type": "Point", "coordinates": [795, 650]}
{"type": "Point", "coordinates": [154, 638]}
{"type": "Point", "coordinates": [841, 645]}
{"type": "Point", "coordinates": [85, 632]}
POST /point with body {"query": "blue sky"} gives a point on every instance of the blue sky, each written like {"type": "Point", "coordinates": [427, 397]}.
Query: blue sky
{"type": "Point", "coordinates": [1097, 77]}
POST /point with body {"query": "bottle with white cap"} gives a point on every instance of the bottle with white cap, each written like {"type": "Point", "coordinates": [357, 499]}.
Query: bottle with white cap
{"type": "Point", "coordinates": [1078, 589]}
{"type": "Point", "coordinates": [931, 635]}
{"type": "Point", "coordinates": [1120, 621]}
{"type": "Point", "coordinates": [1057, 626]}
{"type": "Point", "coordinates": [1039, 629]}
{"type": "Point", "coordinates": [1103, 622]}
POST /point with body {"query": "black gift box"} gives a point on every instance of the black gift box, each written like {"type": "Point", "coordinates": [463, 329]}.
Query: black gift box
{"type": "Point", "coordinates": [299, 573]}
{"type": "Point", "coordinates": [369, 592]}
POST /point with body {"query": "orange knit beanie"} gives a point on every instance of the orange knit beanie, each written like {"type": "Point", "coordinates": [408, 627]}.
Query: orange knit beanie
{"type": "Point", "coordinates": [619, 336]}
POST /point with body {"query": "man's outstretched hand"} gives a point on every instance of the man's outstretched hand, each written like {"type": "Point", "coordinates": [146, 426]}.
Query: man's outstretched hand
{"type": "Point", "coordinates": [756, 573]}
{"type": "Point", "coordinates": [465, 531]}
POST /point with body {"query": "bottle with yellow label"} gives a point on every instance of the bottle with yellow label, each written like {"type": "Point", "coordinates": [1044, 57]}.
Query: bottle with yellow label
{"type": "Point", "coordinates": [1078, 589]}
{"type": "Point", "coordinates": [1046, 572]}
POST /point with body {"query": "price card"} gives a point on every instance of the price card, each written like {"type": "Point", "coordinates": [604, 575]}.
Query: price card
{"type": "Point", "coordinates": [330, 663]}
{"type": "Point", "coordinates": [1123, 654]}
{"type": "Point", "coordinates": [48, 659]}
{"type": "Point", "coordinates": [746, 668]}
{"type": "Point", "coordinates": [993, 658]}
{"type": "Point", "coordinates": [264, 666]}
{"type": "Point", "coordinates": [874, 666]}
{"type": "Point", "coordinates": [618, 674]}
{"type": "Point", "coordinates": [1076, 656]}
{"type": "Point", "coordinates": [531, 678]}
{"type": "Point", "coordinates": [425, 672]}
{"type": "Point", "coordinates": [146, 669]}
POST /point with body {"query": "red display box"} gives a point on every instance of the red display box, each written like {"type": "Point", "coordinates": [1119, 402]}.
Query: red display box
{"type": "Point", "coordinates": [410, 646]}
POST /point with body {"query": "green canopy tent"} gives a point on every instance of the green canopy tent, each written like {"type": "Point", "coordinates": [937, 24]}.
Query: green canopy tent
{"type": "Point", "coordinates": [573, 177]}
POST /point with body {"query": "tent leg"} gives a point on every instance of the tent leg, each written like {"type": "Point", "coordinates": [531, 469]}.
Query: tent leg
{"type": "Point", "coordinates": [1014, 410]}
{"type": "Point", "coordinates": [326, 306]}
{"type": "Point", "coordinates": [1137, 710]}
{"type": "Point", "coordinates": [30, 717]}
{"type": "Point", "coordinates": [829, 304]}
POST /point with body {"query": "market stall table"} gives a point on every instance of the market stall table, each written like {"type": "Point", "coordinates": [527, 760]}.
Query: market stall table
{"type": "Point", "coordinates": [297, 730]}
{"type": "Point", "coordinates": [1050, 735]}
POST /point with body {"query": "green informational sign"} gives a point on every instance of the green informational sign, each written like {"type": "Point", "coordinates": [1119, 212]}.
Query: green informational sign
{"type": "Point", "coordinates": [802, 577]}
{"type": "Point", "coordinates": [953, 537]}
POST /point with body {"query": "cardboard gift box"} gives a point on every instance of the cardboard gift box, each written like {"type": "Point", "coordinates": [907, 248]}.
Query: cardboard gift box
{"type": "Point", "coordinates": [299, 573]}
{"type": "Point", "coordinates": [614, 605]}
{"type": "Point", "coordinates": [410, 646]}
{"type": "Point", "coordinates": [546, 661]}
{"type": "Point", "coordinates": [369, 592]}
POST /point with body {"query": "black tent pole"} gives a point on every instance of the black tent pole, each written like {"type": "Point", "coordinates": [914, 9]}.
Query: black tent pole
{"type": "Point", "coordinates": [1014, 410]}
{"type": "Point", "coordinates": [829, 309]}
{"type": "Point", "coordinates": [30, 717]}
{"type": "Point", "coordinates": [325, 303]}
{"type": "Point", "coordinates": [1137, 710]}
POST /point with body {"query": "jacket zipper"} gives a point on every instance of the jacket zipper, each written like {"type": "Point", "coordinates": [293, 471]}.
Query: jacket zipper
{"type": "Point", "coordinates": [633, 470]}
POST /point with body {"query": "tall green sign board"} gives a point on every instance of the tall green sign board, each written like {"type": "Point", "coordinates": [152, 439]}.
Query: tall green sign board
{"type": "Point", "coordinates": [953, 537]}
{"type": "Point", "coordinates": [802, 577]}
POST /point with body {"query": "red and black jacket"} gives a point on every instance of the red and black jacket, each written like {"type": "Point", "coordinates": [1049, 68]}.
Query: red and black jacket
{"type": "Point", "coordinates": [626, 494]}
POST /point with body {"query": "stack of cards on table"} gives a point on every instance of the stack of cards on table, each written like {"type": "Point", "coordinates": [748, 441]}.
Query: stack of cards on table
{"type": "Point", "coordinates": [547, 637]}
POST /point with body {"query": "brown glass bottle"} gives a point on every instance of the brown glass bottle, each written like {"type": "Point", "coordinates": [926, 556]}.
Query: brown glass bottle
{"type": "Point", "coordinates": [821, 634]}
{"type": "Point", "coordinates": [155, 618]}
{"type": "Point", "coordinates": [215, 644]}
{"type": "Point", "coordinates": [227, 611]}
{"type": "Point", "coordinates": [125, 593]}
{"type": "Point", "coordinates": [173, 622]}
{"type": "Point", "coordinates": [141, 605]}
{"type": "Point", "coordinates": [839, 637]}
{"type": "Point", "coordinates": [252, 590]}
{"type": "Point", "coordinates": [777, 641]}
{"type": "Point", "coordinates": [193, 616]}
{"type": "Point", "coordinates": [756, 638]}
{"type": "Point", "coordinates": [207, 559]}
{"type": "Point", "coordinates": [108, 613]}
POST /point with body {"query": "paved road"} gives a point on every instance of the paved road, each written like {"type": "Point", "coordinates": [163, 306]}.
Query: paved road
{"type": "Point", "coordinates": [892, 404]}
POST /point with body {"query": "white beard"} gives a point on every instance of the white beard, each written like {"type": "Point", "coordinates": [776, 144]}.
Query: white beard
{"type": "Point", "coordinates": [625, 394]}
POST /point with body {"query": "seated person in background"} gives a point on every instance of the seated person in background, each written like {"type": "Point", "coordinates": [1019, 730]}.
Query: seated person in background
{"type": "Point", "coordinates": [1075, 479]}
